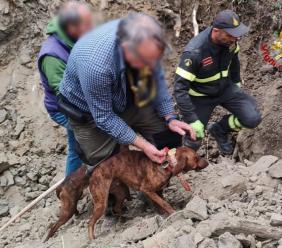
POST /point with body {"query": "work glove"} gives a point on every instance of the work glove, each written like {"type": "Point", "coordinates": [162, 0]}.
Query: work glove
{"type": "Point", "coordinates": [199, 128]}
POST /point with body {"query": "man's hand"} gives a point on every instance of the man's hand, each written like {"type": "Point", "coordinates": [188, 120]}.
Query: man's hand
{"type": "Point", "coordinates": [198, 126]}
{"type": "Point", "coordinates": [150, 150]}
{"type": "Point", "coordinates": [182, 128]}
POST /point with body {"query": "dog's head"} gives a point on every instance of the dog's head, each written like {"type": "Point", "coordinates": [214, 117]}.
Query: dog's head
{"type": "Point", "coordinates": [188, 159]}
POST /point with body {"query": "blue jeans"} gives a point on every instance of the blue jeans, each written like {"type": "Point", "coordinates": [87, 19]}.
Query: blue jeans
{"type": "Point", "coordinates": [73, 161]}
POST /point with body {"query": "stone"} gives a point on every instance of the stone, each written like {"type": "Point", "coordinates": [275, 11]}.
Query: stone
{"type": "Point", "coordinates": [32, 195]}
{"type": "Point", "coordinates": [160, 239]}
{"type": "Point", "coordinates": [258, 190]}
{"type": "Point", "coordinates": [207, 243]}
{"type": "Point", "coordinates": [276, 220]}
{"type": "Point", "coordinates": [204, 229]}
{"type": "Point", "coordinates": [222, 222]}
{"type": "Point", "coordinates": [4, 165]}
{"type": "Point", "coordinates": [4, 208]}
{"type": "Point", "coordinates": [253, 179]}
{"type": "Point", "coordinates": [275, 170]}
{"type": "Point", "coordinates": [233, 180]}
{"type": "Point", "coordinates": [245, 241]}
{"type": "Point", "coordinates": [198, 238]}
{"type": "Point", "coordinates": [33, 176]}
{"type": "Point", "coordinates": [141, 230]}
{"type": "Point", "coordinates": [14, 210]}
{"type": "Point", "coordinates": [262, 165]}
{"type": "Point", "coordinates": [196, 209]}
{"type": "Point", "coordinates": [184, 240]}
{"type": "Point", "coordinates": [227, 240]}
{"type": "Point", "coordinates": [20, 180]}
{"type": "Point", "coordinates": [3, 115]}
{"type": "Point", "coordinates": [19, 128]}
{"type": "Point", "coordinates": [45, 180]}
{"type": "Point", "coordinates": [6, 179]}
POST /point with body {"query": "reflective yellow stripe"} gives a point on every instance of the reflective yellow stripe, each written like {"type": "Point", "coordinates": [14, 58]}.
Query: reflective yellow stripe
{"type": "Point", "coordinates": [234, 123]}
{"type": "Point", "coordinates": [237, 123]}
{"type": "Point", "coordinates": [212, 78]}
{"type": "Point", "coordinates": [237, 49]}
{"type": "Point", "coordinates": [195, 93]}
{"type": "Point", "coordinates": [185, 74]}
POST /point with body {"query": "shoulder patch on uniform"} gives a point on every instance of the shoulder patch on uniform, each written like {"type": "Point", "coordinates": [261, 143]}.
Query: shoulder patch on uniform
{"type": "Point", "coordinates": [188, 62]}
{"type": "Point", "coordinates": [207, 61]}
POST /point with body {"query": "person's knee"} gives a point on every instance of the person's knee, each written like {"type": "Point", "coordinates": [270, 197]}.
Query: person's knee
{"type": "Point", "coordinates": [252, 120]}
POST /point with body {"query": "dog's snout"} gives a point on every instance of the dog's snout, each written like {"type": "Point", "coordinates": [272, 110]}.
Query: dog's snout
{"type": "Point", "coordinates": [202, 163]}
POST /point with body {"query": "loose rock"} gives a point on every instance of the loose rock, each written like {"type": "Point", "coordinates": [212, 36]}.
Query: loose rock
{"type": "Point", "coordinates": [3, 115]}
{"type": "Point", "coordinates": [227, 240]}
{"type": "Point", "coordinates": [276, 220]}
{"type": "Point", "coordinates": [262, 164]}
{"type": "Point", "coordinates": [4, 208]}
{"type": "Point", "coordinates": [141, 230]}
{"type": "Point", "coordinates": [197, 209]}
{"type": "Point", "coordinates": [275, 170]}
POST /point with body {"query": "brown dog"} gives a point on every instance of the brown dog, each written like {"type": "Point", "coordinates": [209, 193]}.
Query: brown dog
{"type": "Point", "coordinates": [136, 170]}
{"type": "Point", "coordinates": [70, 191]}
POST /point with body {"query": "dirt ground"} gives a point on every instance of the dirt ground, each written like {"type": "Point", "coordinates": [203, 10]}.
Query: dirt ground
{"type": "Point", "coordinates": [244, 189]}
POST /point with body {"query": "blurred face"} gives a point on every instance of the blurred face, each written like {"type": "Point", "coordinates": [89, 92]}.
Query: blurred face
{"type": "Point", "coordinates": [85, 24]}
{"type": "Point", "coordinates": [146, 54]}
{"type": "Point", "coordinates": [221, 37]}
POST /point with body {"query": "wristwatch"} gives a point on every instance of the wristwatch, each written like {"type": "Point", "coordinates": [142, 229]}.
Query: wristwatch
{"type": "Point", "coordinates": [173, 117]}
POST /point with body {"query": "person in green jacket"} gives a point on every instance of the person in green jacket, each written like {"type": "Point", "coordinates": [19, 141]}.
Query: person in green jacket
{"type": "Point", "coordinates": [74, 19]}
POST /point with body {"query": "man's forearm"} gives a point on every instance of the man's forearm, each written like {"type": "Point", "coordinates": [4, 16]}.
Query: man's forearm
{"type": "Point", "coordinates": [140, 142]}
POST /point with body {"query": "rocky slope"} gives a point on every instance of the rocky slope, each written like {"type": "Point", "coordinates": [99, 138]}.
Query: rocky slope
{"type": "Point", "coordinates": [242, 200]}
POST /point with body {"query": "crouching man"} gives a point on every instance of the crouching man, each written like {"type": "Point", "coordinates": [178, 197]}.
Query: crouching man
{"type": "Point", "coordinates": [209, 75]}
{"type": "Point", "coordinates": [116, 85]}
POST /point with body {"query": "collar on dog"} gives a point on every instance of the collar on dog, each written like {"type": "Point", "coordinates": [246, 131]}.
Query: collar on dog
{"type": "Point", "coordinates": [169, 165]}
{"type": "Point", "coordinates": [170, 161]}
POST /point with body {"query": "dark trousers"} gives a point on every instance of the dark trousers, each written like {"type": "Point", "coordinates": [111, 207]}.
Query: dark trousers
{"type": "Point", "coordinates": [98, 146]}
{"type": "Point", "coordinates": [236, 101]}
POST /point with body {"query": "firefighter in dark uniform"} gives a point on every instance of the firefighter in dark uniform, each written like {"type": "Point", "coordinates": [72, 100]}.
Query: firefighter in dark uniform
{"type": "Point", "coordinates": [209, 75]}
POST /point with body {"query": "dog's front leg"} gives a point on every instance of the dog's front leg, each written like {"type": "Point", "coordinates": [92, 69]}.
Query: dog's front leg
{"type": "Point", "coordinates": [160, 202]}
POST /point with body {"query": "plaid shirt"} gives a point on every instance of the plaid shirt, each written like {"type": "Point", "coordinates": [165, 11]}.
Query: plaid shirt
{"type": "Point", "coordinates": [95, 82]}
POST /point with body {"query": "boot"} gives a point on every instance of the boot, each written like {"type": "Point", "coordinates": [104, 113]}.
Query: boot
{"type": "Point", "coordinates": [225, 146]}
{"type": "Point", "coordinates": [193, 144]}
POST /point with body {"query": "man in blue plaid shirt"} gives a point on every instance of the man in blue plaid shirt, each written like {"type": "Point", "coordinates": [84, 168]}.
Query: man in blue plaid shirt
{"type": "Point", "coordinates": [114, 73]}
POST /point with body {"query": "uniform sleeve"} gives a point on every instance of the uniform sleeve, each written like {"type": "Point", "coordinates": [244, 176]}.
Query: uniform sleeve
{"type": "Point", "coordinates": [235, 68]}
{"type": "Point", "coordinates": [185, 74]}
{"type": "Point", "coordinates": [163, 102]}
{"type": "Point", "coordinates": [96, 84]}
{"type": "Point", "coordinates": [53, 69]}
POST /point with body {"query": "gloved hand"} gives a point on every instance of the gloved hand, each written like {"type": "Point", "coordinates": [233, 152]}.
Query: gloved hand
{"type": "Point", "coordinates": [199, 128]}
{"type": "Point", "coordinates": [239, 84]}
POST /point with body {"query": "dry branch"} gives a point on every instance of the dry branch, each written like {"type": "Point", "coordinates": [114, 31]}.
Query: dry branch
{"type": "Point", "coordinates": [32, 204]}
{"type": "Point", "coordinates": [194, 19]}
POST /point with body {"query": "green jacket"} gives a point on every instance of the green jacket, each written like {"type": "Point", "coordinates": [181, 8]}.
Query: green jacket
{"type": "Point", "coordinates": [53, 67]}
